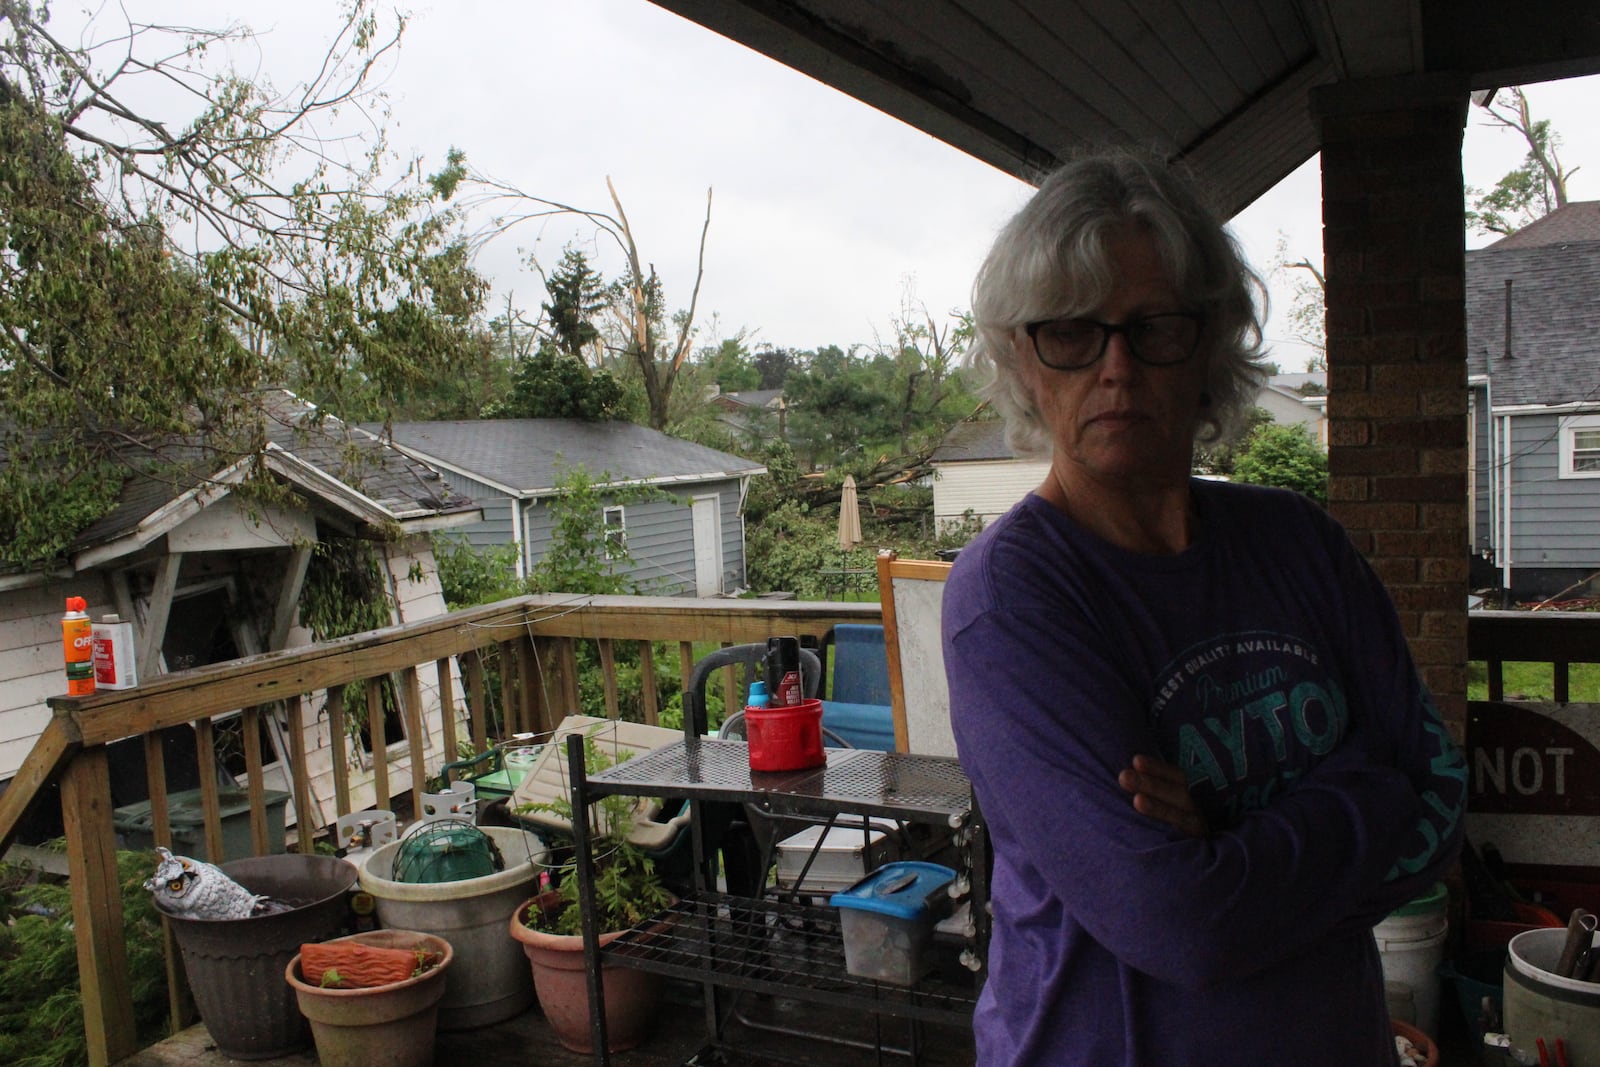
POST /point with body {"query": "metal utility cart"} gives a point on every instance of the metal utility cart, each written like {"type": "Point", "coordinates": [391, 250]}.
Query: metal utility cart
{"type": "Point", "coordinates": [779, 945]}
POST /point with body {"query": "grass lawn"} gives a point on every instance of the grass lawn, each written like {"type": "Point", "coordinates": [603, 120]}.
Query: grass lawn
{"type": "Point", "coordinates": [1535, 681]}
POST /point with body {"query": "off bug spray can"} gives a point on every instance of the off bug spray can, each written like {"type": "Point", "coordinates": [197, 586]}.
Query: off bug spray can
{"type": "Point", "coordinates": [783, 671]}
{"type": "Point", "coordinates": [77, 647]}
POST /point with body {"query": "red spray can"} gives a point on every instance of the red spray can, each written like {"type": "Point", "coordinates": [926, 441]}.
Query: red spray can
{"type": "Point", "coordinates": [77, 647]}
{"type": "Point", "coordinates": [783, 671]}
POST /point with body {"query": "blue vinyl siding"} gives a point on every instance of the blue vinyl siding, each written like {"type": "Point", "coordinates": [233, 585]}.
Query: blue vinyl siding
{"type": "Point", "coordinates": [660, 536]}
{"type": "Point", "coordinates": [1555, 521]}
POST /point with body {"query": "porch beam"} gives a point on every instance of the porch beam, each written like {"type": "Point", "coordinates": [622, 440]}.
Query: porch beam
{"type": "Point", "coordinates": [289, 597]}
{"type": "Point", "coordinates": [155, 622]}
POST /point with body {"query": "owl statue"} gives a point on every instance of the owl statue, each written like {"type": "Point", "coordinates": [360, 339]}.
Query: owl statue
{"type": "Point", "coordinates": [191, 889]}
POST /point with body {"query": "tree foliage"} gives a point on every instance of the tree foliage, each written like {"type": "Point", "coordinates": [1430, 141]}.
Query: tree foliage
{"type": "Point", "coordinates": [581, 556]}
{"type": "Point", "coordinates": [556, 382]}
{"type": "Point", "coordinates": [1532, 190]}
{"type": "Point", "coordinates": [640, 332]}
{"type": "Point", "coordinates": [157, 269]}
{"type": "Point", "coordinates": [1308, 308]}
{"type": "Point", "coordinates": [554, 385]}
{"type": "Point", "coordinates": [577, 297]}
{"type": "Point", "coordinates": [1219, 457]}
{"type": "Point", "coordinates": [471, 575]}
{"type": "Point", "coordinates": [41, 1005]}
{"type": "Point", "coordinates": [1286, 456]}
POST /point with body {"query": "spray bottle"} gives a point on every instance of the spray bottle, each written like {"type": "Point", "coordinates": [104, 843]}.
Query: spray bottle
{"type": "Point", "coordinates": [783, 671]}
{"type": "Point", "coordinates": [77, 647]}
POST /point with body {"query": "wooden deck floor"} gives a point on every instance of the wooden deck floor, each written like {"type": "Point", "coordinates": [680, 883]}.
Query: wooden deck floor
{"type": "Point", "coordinates": [679, 1039]}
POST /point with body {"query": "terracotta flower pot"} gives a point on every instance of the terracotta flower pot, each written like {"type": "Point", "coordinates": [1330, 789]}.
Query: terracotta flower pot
{"type": "Point", "coordinates": [631, 996]}
{"type": "Point", "coordinates": [1422, 1041]}
{"type": "Point", "coordinates": [393, 1025]}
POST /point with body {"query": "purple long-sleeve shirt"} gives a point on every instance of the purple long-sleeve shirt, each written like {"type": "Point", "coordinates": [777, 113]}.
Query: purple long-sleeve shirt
{"type": "Point", "coordinates": [1267, 661]}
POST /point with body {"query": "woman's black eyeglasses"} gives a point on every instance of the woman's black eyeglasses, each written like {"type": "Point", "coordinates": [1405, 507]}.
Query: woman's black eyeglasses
{"type": "Point", "coordinates": [1155, 340]}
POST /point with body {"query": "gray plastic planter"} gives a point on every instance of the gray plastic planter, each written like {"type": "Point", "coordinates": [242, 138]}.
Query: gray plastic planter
{"type": "Point", "coordinates": [490, 981]}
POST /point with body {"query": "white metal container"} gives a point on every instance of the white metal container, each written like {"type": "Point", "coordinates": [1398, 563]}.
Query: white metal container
{"type": "Point", "coordinates": [843, 855]}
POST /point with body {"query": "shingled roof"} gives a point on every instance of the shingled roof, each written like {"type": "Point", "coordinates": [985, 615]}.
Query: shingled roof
{"type": "Point", "coordinates": [528, 457]}
{"type": "Point", "coordinates": [1554, 302]}
{"type": "Point", "coordinates": [971, 442]}
{"type": "Point", "coordinates": [380, 482]}
{"type": "Point", "coordinates": [1579, 221]}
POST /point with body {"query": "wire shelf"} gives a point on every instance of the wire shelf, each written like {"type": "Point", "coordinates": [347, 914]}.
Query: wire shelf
{"type": "Point", "coordinates": [864, 781]}
{"type": "Point", "coordinates": [778, 948]}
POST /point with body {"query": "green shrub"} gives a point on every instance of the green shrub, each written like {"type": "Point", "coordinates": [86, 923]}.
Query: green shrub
{"type": "Point", "coordinates": [1285, 456]}
{"type": "Point", "coordinates": [470, 575]}
{"type": "Point", "coordinates": [41, 1008]}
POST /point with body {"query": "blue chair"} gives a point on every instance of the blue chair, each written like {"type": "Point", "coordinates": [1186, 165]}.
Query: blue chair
{"type": "Point", "coordinates": [859, 708]}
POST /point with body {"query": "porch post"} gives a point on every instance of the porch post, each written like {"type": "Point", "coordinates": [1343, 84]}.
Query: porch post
{"type": "Point", "coordinates": [1394, 262]}
{"type": "Point", "coordinates": [97, 907]}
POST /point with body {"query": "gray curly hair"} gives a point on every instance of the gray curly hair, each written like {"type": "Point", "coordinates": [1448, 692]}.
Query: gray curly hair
{"type": "Point", "coordinates": [1051, 260]}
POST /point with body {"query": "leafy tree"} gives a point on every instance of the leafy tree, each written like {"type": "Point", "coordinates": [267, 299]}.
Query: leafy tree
{"type": "Point", "coordinates": [555, 385]}
{"type": "Point", "coordinates": [119, 341]}
{"type": "Point", "coordinates": [731, 365]}
{"type": "Point", "coordinates": [1285, 456]}
{"type": "Point", "coordinates": [925, 353]}
{"type": "Point", "coordinates": [781, 484]}
{"type": "Point", "coordinates": [839, 403]}
{"type": "Point", "coordinates": [1308, 310]}
{"type": "Point", "coordinates": [581, 558]}
{"type": "Point", "coordinates": [652, 344]}
{"type": "Point", "coordinates": [471, 575]}
{"type": "Point", "coordinates": [1534, 189]}
{"type": "Point", "coordinates": [1219, 457]}
{"type": "Point", "coordinates": [774, 366]}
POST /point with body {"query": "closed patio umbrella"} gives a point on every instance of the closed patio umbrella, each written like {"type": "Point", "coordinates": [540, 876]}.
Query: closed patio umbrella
{"type": "Point", "coordinates": [849, 516]}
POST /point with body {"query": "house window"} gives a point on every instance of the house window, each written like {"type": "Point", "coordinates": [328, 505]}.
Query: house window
{"type": "Point", "coordinates": [616, 532]}
{"type": "Point", "coordinates": [1580, 447]}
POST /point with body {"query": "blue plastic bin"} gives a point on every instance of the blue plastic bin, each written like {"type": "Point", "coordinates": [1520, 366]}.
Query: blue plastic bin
{"type": "Point", "coordinates": [887, 920]}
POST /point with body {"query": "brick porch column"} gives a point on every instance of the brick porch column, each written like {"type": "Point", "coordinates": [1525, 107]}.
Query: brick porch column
{"type": "Point", "coordinates": [1394, 262]}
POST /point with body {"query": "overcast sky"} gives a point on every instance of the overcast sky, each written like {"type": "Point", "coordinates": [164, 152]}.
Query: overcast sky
{"type": "Point", "coordinates": [827, 215]}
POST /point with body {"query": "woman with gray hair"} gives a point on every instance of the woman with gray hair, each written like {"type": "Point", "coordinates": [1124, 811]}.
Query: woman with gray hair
{"type": "Point", "coordinates": [1187, 708]}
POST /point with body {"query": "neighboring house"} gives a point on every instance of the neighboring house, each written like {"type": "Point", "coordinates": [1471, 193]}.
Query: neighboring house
{"type": "Point", "coordinates": [975, 471]}
{"type": "Point", "coordinates": [1283, 400]}
{"type": "Point", "coordinates": [690, 542]}
{"type": "Point", "coordinates": [205, 578]}
{"type": "Point", "coordinates": [755, 414]}
{"type": "Point", "coordinates": [1533, 350]}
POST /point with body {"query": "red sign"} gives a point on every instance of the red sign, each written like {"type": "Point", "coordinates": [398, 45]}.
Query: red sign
{"type": "Point", "coordinates": [1522, 760]}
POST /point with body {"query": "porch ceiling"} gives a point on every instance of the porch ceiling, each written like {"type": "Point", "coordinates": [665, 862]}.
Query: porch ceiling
{"type": "Point", "coordinates": [1222, 83]}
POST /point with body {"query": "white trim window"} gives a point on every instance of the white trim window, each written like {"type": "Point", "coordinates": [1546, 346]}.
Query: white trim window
{"type": "Point", "coordinates": [1580, 446]}
{"type": "Point", "coordinates": [616, 531]}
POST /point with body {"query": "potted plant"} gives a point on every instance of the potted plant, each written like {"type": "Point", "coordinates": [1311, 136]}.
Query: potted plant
{"type": "Point", "coordinates": [627, 891]}
{"type": "Point", "coordinates": [372, 997]}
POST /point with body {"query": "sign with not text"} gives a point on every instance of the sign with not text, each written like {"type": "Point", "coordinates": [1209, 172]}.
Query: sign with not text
{"type": "Point", "coordinates": [1534, 781]}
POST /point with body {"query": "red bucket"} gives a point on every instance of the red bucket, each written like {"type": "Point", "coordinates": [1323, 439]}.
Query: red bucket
{"type": "Point", "coordinates": [785, 738]}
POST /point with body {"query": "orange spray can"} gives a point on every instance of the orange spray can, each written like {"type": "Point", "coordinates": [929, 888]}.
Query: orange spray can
{"type": "Point", "coordinates": [77, 646]}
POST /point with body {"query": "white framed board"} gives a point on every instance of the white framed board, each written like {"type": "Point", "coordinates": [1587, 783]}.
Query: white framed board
{"type": "Point", "coordinates": [912, 595]}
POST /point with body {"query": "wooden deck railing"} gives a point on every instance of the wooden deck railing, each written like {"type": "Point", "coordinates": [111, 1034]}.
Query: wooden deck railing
{"type": "Point", "coordinates": [531, 641]}
{"type": "Point", "coordinates": [1554, 637]}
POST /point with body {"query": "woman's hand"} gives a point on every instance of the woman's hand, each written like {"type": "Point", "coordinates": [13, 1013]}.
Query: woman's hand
{"type": "Point", "coordinates": [1161, 792]}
